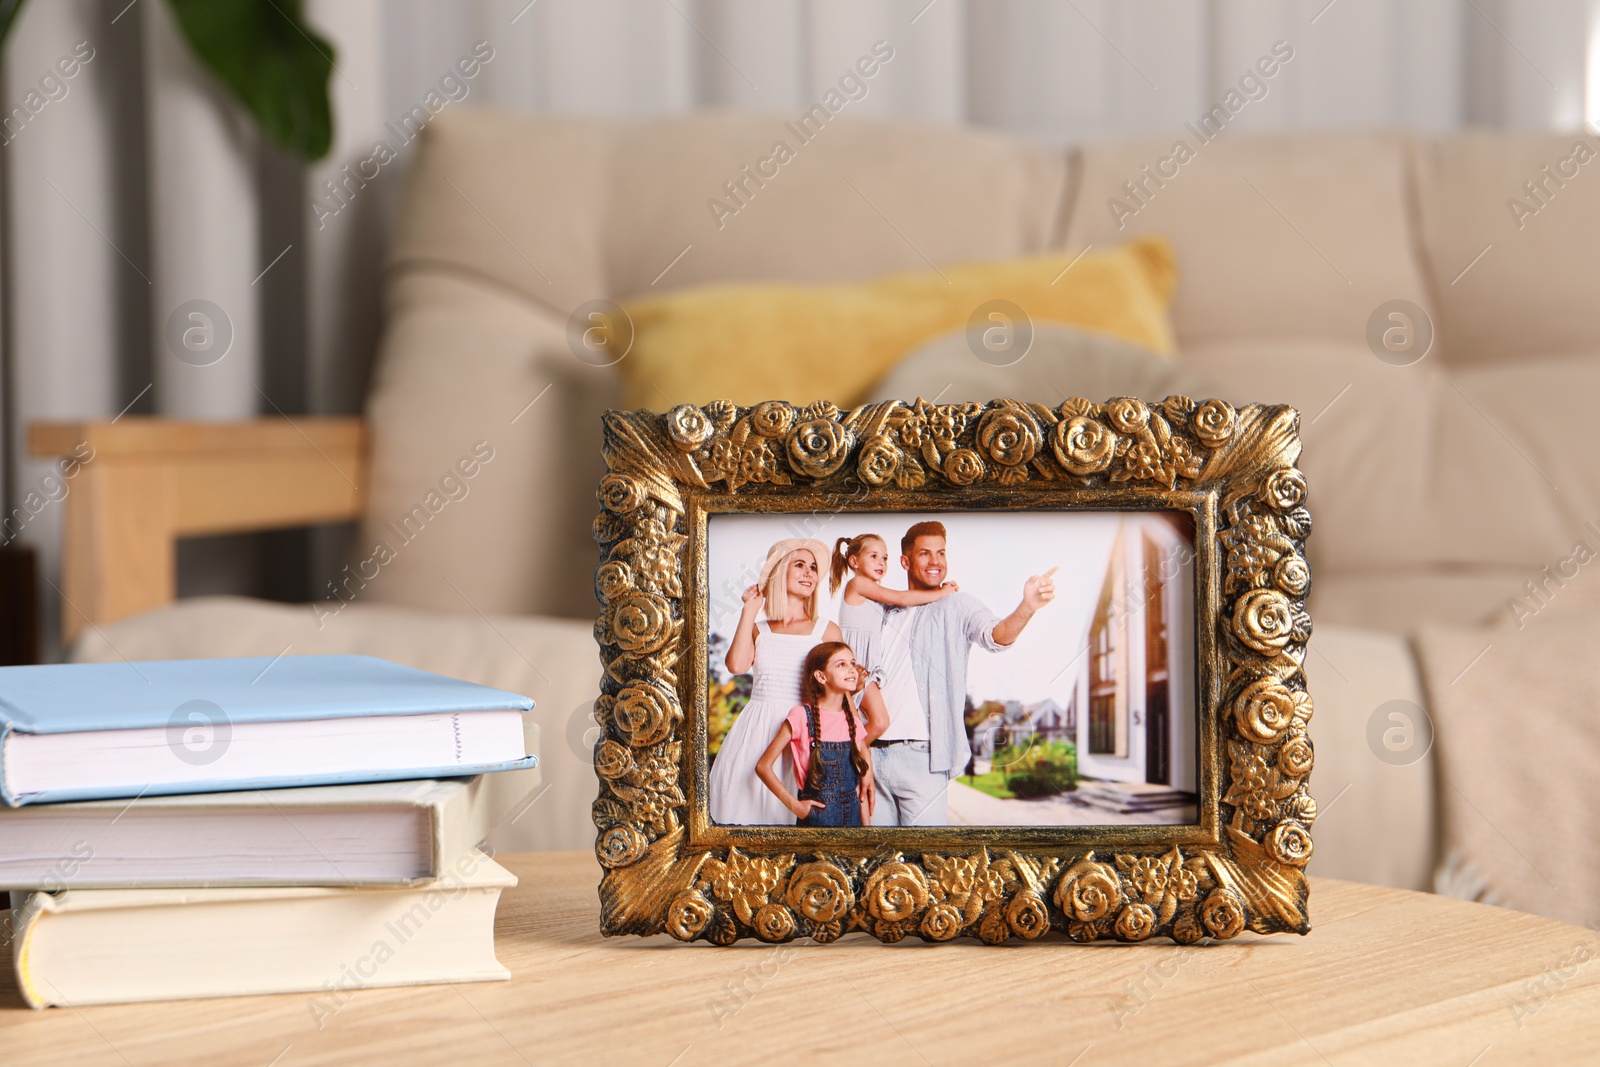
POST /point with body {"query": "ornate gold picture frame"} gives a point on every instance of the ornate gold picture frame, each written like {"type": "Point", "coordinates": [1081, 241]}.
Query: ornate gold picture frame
{"type": "Point", "coordinates": [670, 868]}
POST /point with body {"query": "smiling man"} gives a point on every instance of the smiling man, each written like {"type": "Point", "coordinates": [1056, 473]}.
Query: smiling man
{"type": "Point", "coordinates": [924, 662]}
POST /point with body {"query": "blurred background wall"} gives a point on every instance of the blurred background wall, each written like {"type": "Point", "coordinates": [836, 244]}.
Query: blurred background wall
{"type": "Point", "coordinates": [136, 197]}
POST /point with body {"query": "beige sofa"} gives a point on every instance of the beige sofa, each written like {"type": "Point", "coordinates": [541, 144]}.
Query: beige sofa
{"type": "Point", "coordinates": [1433, 485]}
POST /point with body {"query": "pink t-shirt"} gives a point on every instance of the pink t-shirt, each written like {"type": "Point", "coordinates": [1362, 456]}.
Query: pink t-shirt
{"type": "Point", "coordinates": [833, 727]}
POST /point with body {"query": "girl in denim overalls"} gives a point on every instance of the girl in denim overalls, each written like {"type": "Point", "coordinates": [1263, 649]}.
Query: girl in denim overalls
{"type": "Point", "coordinates": [828, 743]}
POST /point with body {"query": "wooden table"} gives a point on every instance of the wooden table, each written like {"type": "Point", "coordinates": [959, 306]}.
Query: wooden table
{"type": "Point", "coordinates": [1386, 977]}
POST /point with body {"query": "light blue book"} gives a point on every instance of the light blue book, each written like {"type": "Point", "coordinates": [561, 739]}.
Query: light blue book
{"type": "Point", "coordinates": [89, 731]}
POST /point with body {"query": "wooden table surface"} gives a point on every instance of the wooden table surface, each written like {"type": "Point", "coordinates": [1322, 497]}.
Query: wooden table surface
{"type": "Point", "coordinates": [1386, 976]}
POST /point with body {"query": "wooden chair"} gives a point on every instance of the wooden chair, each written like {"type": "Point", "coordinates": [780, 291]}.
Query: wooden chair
{"type": "Point", "coordinates": [150, 481]}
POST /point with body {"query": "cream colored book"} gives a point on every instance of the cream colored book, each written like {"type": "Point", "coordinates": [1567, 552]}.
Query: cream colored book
{"type": "Point", "coordinates": [379, 833]}
{"type": "Point", "coordinates": [114, 946]}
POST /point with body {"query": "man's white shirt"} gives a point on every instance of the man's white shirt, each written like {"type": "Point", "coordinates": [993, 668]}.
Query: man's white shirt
{"type": "Point", "coordinates": [908, 719]}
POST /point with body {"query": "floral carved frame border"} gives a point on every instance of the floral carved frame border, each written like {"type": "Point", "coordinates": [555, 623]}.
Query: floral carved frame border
{"type": "Point", "coordinates": [669, 869]}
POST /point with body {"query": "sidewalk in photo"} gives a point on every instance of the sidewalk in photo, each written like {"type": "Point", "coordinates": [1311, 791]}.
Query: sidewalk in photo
{"type": "Point", "coordinates": [1093, 804]}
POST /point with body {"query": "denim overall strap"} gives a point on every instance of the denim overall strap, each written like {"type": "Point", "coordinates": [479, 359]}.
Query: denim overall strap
{"type": "Point", "coordinates": [838, 789]}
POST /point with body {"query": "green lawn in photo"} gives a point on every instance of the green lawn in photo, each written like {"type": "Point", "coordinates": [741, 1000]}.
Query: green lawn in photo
{"type": "Point", "coordinates": [993, 783]}
{"type": "Point", "coordinates": [1035, 769]}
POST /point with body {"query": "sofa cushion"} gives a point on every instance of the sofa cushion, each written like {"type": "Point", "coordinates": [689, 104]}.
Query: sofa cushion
{"type": "Point", "coordinates": [472, 374]}
{"type": "Point", "coordinates": [1472, 479]}
{"type": "Point", "coordinates": [862, 199]}
{"type": "Point", "coordinates": [1514, 709]}
{"type": "Point", "coordinates": [512, 202]}
{"type": "Point", "coordinates": [1532, 295]}
{"type": "Point", "coordinates": [1293, 235]}
{"type": "Point", "coordinates": [749, 343]}
{"type": "Point", "coordinates": [1061, 362]}
{"type": "Point", "coordinates": [565, 210]}
{"type": "Point", "coordinates": [1377, 816]}
{"type": "Point", "coordinates": [554, 661]}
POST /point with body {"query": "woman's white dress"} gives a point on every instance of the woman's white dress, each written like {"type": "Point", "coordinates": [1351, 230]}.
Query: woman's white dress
{"type": "Point", "coordinates": [737, 796]}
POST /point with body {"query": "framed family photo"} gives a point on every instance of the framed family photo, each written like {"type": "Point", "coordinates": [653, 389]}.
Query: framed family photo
{"type": "Point", "coordinates": [945, 670]}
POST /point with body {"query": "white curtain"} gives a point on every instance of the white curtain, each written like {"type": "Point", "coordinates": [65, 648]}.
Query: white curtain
{"type": "Point", "coordinates": [1059, 70]}
{"type": "Point", "coordinates": [100, 252]}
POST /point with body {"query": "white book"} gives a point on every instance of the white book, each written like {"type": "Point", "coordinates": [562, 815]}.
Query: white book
{"type": "Point", "coordinates": [380, 833]}
{"type": "Point", "coordinates": [114, 946]}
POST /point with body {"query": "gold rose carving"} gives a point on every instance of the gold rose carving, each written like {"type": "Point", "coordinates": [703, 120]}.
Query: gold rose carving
{"type": "Point", "coordinates": [667, 869]}
{"type": "Point", "coordinates": [894, 896]}
{"type": "Point", "coordinates": [822, 896]}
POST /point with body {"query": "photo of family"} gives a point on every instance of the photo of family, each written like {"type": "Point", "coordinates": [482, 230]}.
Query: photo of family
{"type": "Point", "coordinates": [951, 668]}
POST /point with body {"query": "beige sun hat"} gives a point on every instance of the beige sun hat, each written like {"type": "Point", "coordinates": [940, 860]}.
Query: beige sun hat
{"type": "Point", "coordinates": [777, 552]}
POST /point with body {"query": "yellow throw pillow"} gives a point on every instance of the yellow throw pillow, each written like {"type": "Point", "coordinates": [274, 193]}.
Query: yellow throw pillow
{"type": "Point", "coordinates": [749, 343]}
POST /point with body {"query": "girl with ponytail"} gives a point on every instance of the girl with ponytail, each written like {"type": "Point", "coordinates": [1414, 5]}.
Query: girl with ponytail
{"type": "Point", "coordinates": [827, 742]}
{"type": "Point", "coordinates": [862, 612]}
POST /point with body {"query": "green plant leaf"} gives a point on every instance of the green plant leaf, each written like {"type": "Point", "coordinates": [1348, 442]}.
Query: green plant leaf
{"type": "Point", "coordinates": [272, 61]}
{"type": "Point", "coordinates": [9, 10]}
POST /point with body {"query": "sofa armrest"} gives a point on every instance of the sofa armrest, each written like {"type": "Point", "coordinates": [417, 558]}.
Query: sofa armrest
{"type": "Point", "coordinates": [139, 484]}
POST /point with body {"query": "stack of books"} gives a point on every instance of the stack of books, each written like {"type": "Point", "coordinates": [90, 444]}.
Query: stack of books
{"type": "Point", "coordinates": [201, 828]}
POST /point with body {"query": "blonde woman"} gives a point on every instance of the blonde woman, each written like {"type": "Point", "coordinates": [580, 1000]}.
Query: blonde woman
{"type": "Point", "coordinates": [774, 650]}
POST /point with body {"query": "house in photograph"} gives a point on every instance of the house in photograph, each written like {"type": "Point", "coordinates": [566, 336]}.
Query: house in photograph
{"type": "Point", "coordinates": [1132, 698]}
{"type": "Point", "coordinates": [1011, 722]}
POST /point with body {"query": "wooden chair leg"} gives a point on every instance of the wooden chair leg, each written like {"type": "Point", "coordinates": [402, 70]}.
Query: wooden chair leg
{"type": "Point", "coordinates": [119, 555]}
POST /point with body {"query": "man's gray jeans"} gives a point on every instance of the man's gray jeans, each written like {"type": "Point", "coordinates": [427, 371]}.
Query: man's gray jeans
{"type": "Point", "coordinates": [908, 794]}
